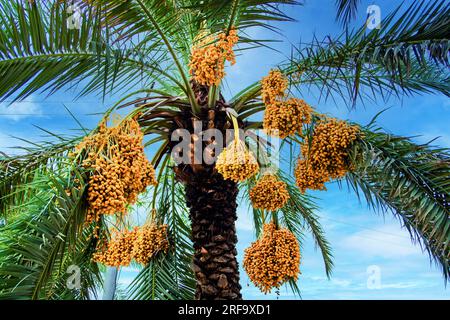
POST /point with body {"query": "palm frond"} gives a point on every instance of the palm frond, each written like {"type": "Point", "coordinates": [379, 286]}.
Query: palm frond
{"type": "Point", "coordinates": [346, 10]}
{"type": "Point", "coordinates": [222, 14]}
{"type": "Point", "coordinates": [168, 276]}
{"type": "Point", "coordinates": [38, 51]}
{"type": "Point", "coordinates": [411, 181]}
{"type": "Point", "coordinates": [407, 55]}
{"type": "Point", "coordinates": [155, 23]}
{"type": "Point", "coordinates": [16, 172]}
{"type": "Point", "coordinates": [299, 212]}
{"type": "Point", "coordinates": [45, 239]}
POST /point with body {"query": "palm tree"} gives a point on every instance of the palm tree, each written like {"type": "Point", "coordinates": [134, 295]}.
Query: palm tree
{"type": "Point", "coordinates": [141, 50]}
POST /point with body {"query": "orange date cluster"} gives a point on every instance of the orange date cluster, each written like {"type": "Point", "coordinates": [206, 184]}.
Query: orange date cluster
{"type": "Point", "coordinates": [208, 56]}
{"type": "Point", "coordinates": [286, 118]}
{"type": "Point", "coordinates": [324, 156]}
{"type": "Point", "coordinates": [141, 244]}
{"type": "Point", "coordinates": [273, 86]}
{"type": "Point", "coordinates": [236, 162]}
{"type": "Point", "coordinates": [283, 117]}
{"type": "Point", "coordinates": [269, 193]}
{"type": "Point", "coordinates": [273, 259]}
{"type": "Point", "coordinates": [120, 169]}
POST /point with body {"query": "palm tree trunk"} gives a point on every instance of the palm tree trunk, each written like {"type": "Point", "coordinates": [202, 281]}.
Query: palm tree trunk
{"type": "Point", "coordinates": [212, 203]}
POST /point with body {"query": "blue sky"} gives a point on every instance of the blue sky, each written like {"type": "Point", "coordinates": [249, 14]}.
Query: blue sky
{"type": "Point", "coordinates": [360, 238]}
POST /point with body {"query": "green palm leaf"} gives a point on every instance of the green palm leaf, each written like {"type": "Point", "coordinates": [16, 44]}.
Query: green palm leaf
{"type": "Point", "coordinates": [45, 239]}
{"type": "Point", "coordinates": [38, 51]}
{"type": "Point", "coordinates": [169, 276]}
{"type": "Point", "coordinates": [411, 181]}
{"type": "Point", "coordinates": [346, 10]}
{"type": "Point", "coordinates": [408, 55]}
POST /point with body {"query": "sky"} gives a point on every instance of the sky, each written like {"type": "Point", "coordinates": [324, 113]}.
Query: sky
{"type": "Point", "coordinates": [362, 241]}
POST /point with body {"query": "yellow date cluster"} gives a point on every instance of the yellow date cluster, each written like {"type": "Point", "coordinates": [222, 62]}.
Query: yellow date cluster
{"type": "Point", "coordinates": [150, 239]}
{"type": "Point", "coordinates": [207, 63]}
{"type": "Point", "coordinates": [273, 86]}
{"type": "Point", "coordinates": [120, 169]}
{"type": "Point", "coordinates": [282, 117]}
{"type": "Point", "coordinates": [273, 259]}
{"type": "Point", "coordinates": [269, 193]}
{"type": "Point", "coordinates": [286, 118]}
{"type": "Point", "coordinates": [140, 244]}
{"type": "Point", "coordinates": [236, 162]}
{"type": "Point", "coordinates": [324, 156]}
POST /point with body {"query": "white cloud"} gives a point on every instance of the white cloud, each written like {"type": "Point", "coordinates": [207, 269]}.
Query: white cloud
{"type": "Point", "coordinates": [341, 282]}
{"type": "Point", "coordinates": [388, 241]}
{"type": "Point", "coordinates": [400, 285]}
{"type": "Point", "coordinates": [127, 275]}
{"type": "Point", "coordinates": [20, 110]}
{"type": "Point", "coordinates": [9, 143]}
{"type": "Point", "coordinates": [337, 282]}
{"type": "Point", "coordinates": [125, 281]}
{"type": "Point", "coordinates": [130, 269]}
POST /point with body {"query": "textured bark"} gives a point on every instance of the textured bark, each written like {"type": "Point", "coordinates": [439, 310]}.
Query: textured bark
{"type": "Point", "coordinates": [212, 203]}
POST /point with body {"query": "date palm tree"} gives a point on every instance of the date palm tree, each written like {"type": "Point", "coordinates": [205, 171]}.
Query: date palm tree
{"type": "Point", "coordinates": [140, 50]}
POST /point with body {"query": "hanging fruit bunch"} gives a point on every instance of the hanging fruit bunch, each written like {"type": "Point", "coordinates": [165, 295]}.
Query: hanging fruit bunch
{"type": "Point", "coordinates": [324, 155]}
{"type": "Point", "coordinates": [118, 252]}
{"type": "Point", "coordinates": [150, 240]}
{"type": "Point", "coordinates": [120, 169]}
{"type": "Point", "coordinates": [208, 56]}
{"type": "Point", "coordinates": [141, 244]}
{"type": "Point", "coordinates": [282, 117]}
{"type": "Point", "coordinates": [273, 87]}
{"type": "Point", "coordinates": [269, 193]}
{"type": "Point", "coordinates": [273, 259]}
{"type": "Point", "coordinates": [286, 118]}
{"type": "Point", "coordinates": [236, 162]}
